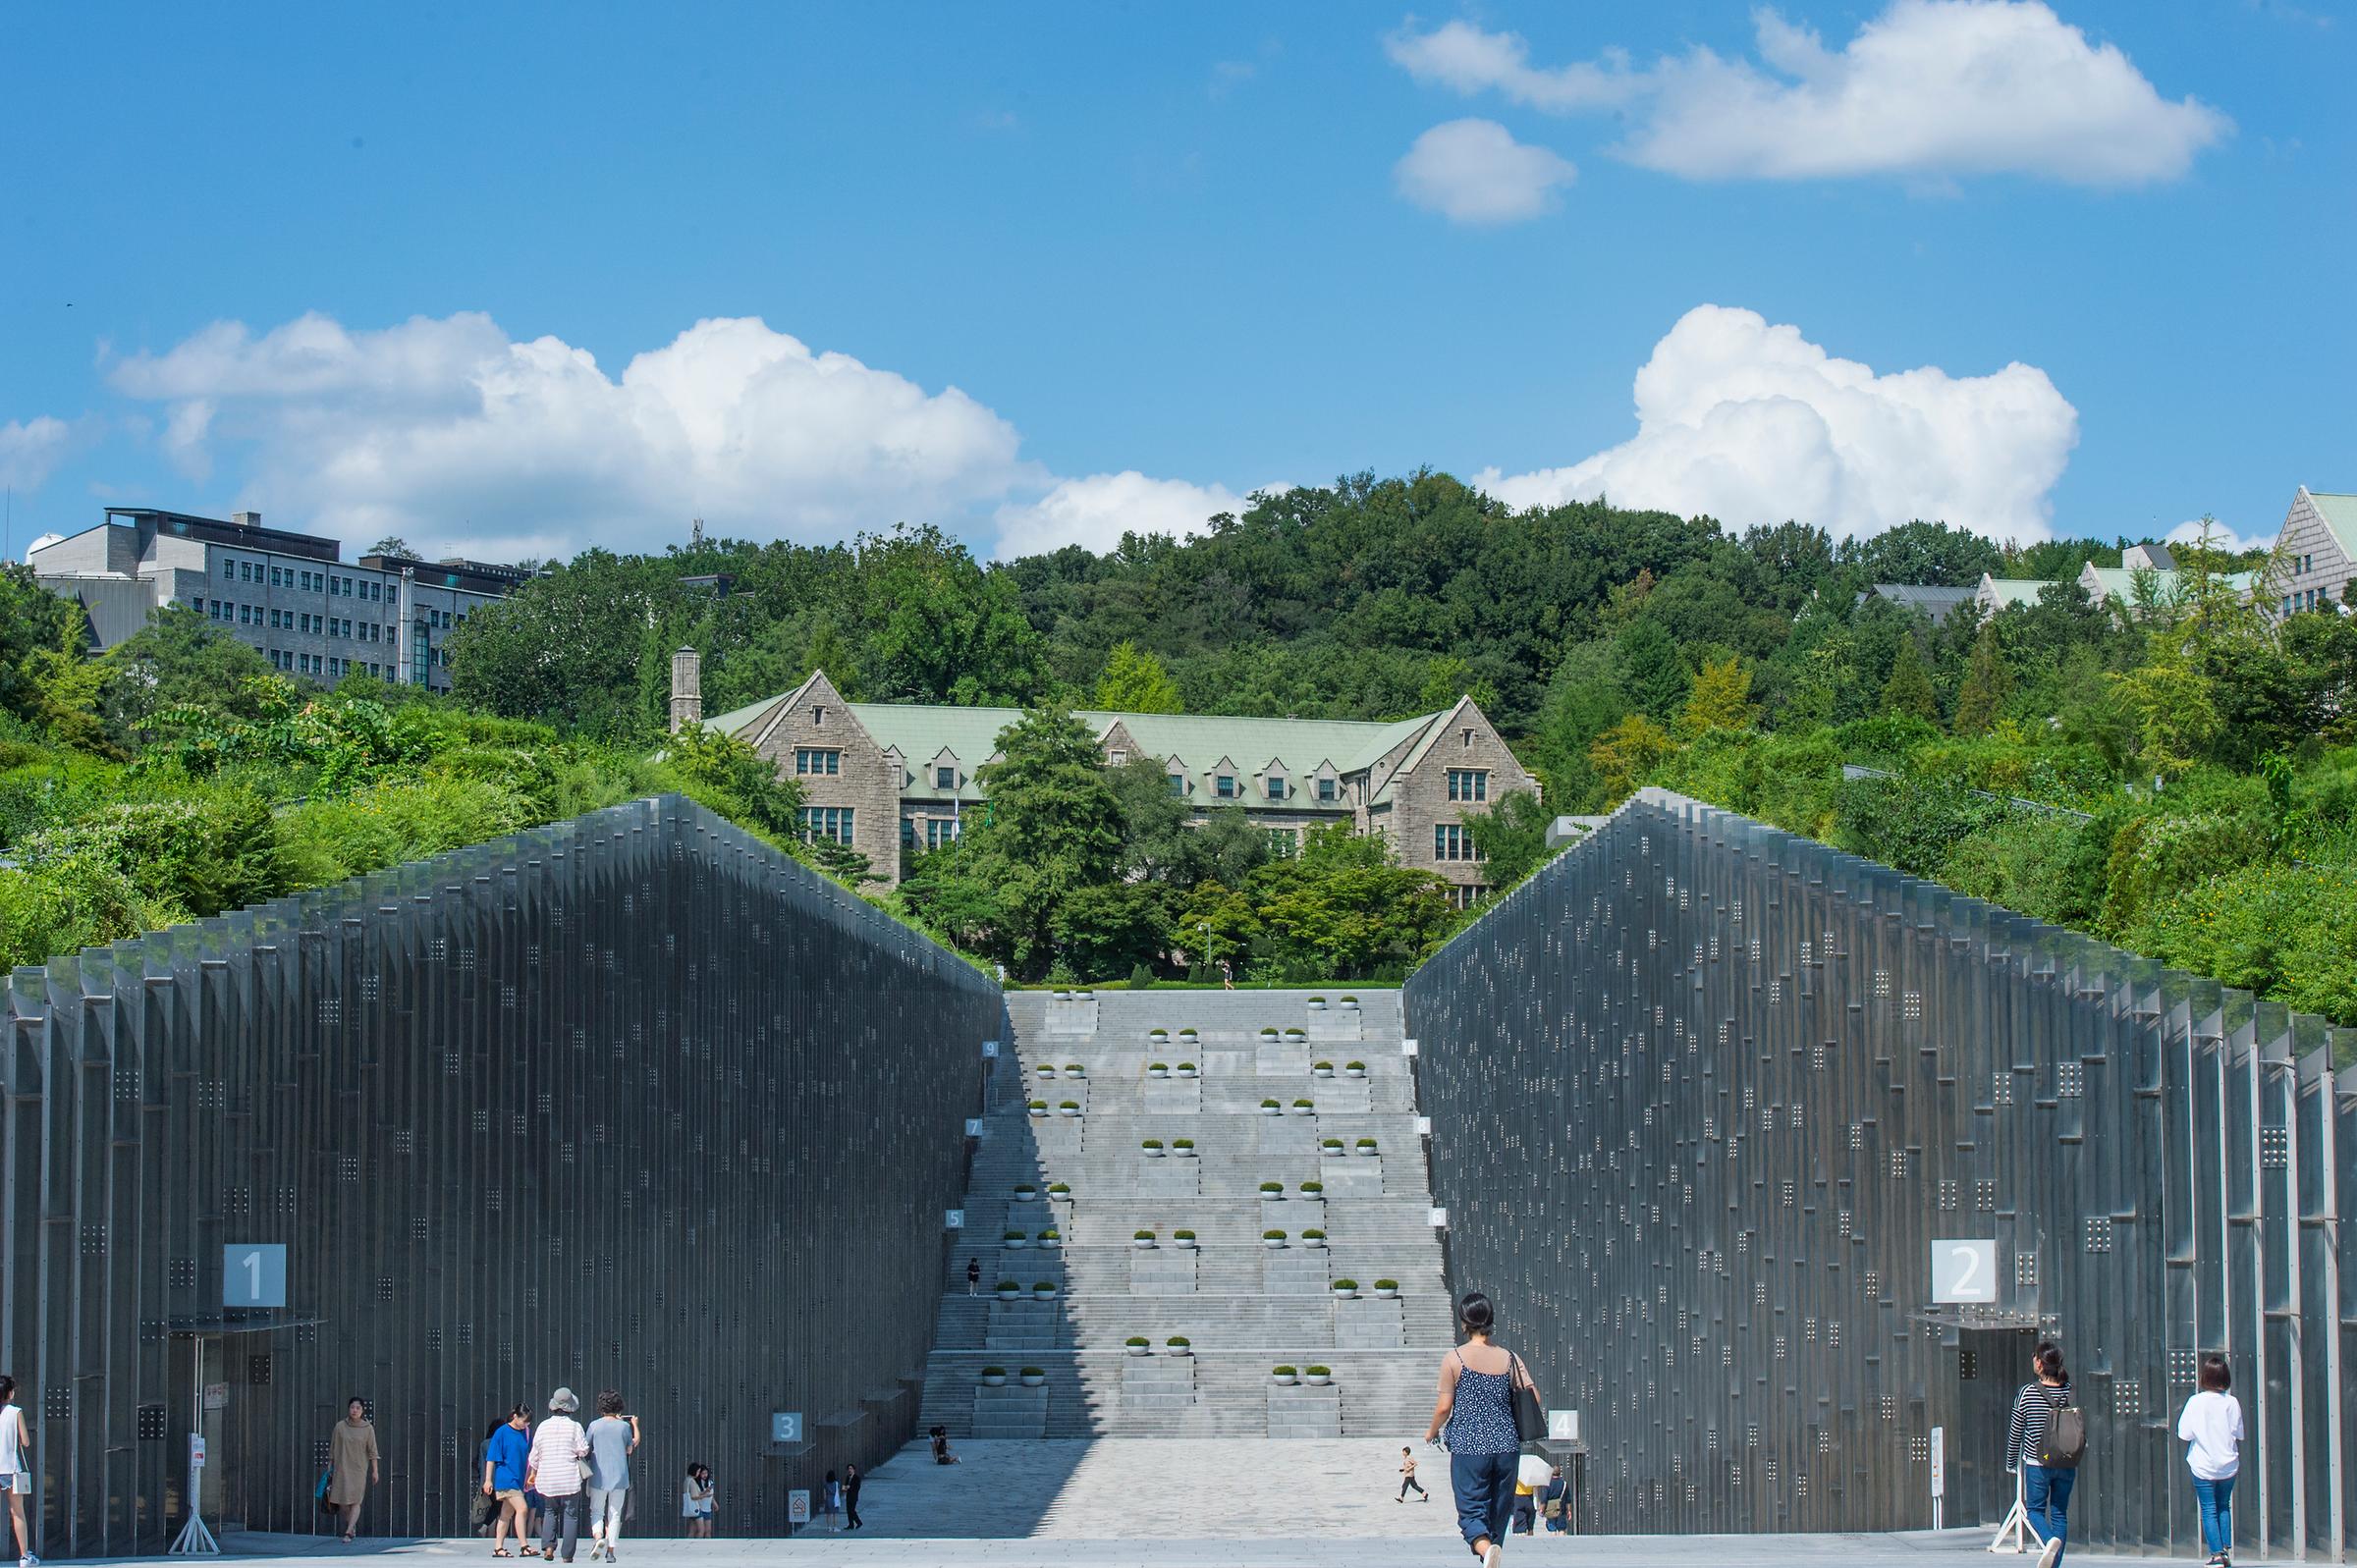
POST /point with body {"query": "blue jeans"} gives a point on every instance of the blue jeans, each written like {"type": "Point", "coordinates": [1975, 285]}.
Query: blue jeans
{"type": "Point", "coordinates": [1484, 1485]}
{"type": "Point", "coordinates": [2217, 1512]}
{"type": "Point", "coordinates": [2045, 1498]}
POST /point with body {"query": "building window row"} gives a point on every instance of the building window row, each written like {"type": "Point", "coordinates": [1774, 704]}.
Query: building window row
{"type": "Point", "coordinates": [1469, 784]}
{"type": "Point", "coordinates": [1451, 842]}
{"type": "Point", "coordinates": [929, 832]}
{"type": "Point", "coordinates": [831, 822]}
{"type": "Point", "coordinates": [809, 760]}
{"type": "Point", "coordinates": [2305, 599]}
{"type": "Point", "coordinates": [1466, 897]}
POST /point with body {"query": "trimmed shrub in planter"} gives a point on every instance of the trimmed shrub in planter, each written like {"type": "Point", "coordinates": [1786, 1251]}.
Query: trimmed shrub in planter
{"type": "Point", "coordinates": [1386, 1287]}
{"type": "Point", "coordinates": [1187, 1032]}
{"type": "Point", "coordinates": [1272, 1238]}
{"type": "Point", "coordinates": [1184, 1148]}
{"type": "Point", "coordinates": [1184, 1238]}
{"type": "Point", "coordinates": [1039, 1107]}
{"type": "Point", "coordinates": [1139, 1345]}
{"type": "Point", "coordinates": [1314, 1191]}
{"type": "Point", "coordinates": [1043, 1288]}
{"type": "Point", "coordinates": [1350, 1002]}
{"type": "Point", "coordinates": [1270, 1107]}
{"type": "Point", "coordinates": [1058, 1189]}
{"type": "Point", "coordinates": [1272, 1189]}
{"type": "Point", "coordinates": [1314, 1238]}
{"type": "Point", "coordinates": [1317, 1002]}
{"type": "Point", "coordinates": [1284, 1374]}
{"type": "Point", "coordinates": [1158, 1070]}
{"type": "Point", "coordinates": [1051, 1237]}
{"type": "Point", "coordinates": [1157, 1034]}
{"type": "Point", "coordinates": [1074, 1069]}
{"type": "Point", "coordinates": [1069, 1108]}
{"type": "Point", "coordinates": [1324, 1070]}
{"type": "Point", "coordinates": [1033, 1376]}
{"type": "Point", "coordinates": [1366, 1145]}
{"type": "Point", "coordinates": [1014, 1238]}
{"type": "Point", "coordinates": [1269, 1032]}
{"type": "Point", "coordinates": [1303, 1107]}
{"type": "Point", "coordinates": [1024, 1192]}
{"type": "Point", "coordinates": [1345, 1287]}
{"type": "Point", "coordinates": [1009, 1289]}
{"type": "Point", "coordinates": [1153, 1148]}
{"type": "Point", "coordinates": [1333, 1146]}
{"type": "Point", "coordinates": [1356, 1069]}
{"type": "Point", "coordinates": [1046, 1071]}
{"type": "Point", "coordinates": [1186, 1070]}
{"type": "Point", "coordinates": [1142, 1238]}
{"type": "Point", "coordinates": [1178, 1345]}
{"type": "Point", "coordinates": [1319, 1376]}
{"type": "Point", "coordinates": [994, 1377]}
{"type": "Point", "coordinates": [1296, 1034]}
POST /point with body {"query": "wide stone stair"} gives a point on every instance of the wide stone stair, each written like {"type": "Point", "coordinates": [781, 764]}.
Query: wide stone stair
{"type": "Point", "coordinates": [1062, 1182]}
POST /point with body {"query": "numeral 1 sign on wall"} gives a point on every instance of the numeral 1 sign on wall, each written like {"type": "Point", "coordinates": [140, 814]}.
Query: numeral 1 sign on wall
{"type": "Point", "coordinates": [254, 1275]}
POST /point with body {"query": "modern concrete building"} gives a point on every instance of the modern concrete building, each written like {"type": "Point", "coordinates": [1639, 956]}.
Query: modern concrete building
{"type": "Point", "coordinates": [290, 596]}
{"type": "Point", "coordinates": [891, 779]}
{"type": "Point", "coordinates": [2316, 552]}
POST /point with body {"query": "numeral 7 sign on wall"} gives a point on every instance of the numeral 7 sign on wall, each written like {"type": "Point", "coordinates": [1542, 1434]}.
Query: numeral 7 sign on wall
{"type": "Point", "coordinates": [254, 1274]}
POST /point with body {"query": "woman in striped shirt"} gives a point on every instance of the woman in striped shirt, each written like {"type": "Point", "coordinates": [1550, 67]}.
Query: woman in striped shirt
{"type": "Point", "coordinates": [2045, 1491]}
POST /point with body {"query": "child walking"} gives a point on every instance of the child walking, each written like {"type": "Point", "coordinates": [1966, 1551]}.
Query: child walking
{"type": "Point", "coordinates": [1408, 1478]}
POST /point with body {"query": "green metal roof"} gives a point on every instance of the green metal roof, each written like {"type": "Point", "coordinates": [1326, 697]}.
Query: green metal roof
{"type": "Point", "coordinates": [2340, 515]}
{"type": "Point", "coordinates": [1298, 747]}
{"type": "Point", "coordinates": [2015, 590]}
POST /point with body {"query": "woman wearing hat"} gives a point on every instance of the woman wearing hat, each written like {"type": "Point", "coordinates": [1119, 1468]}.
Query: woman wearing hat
{"type": "Point", "coordinates": [554, 1470]}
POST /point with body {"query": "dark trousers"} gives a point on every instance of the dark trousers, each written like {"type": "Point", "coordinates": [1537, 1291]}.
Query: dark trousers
{"type": "Point", "coordinates": [1526, 1514]}
{"type": "Point", "coordinates": [851, 1506]}
{"type": "Point", "coordinates": [2045, 1498]}
{"type": "Point", "coordinates": [565, 1510]}
{"type": "Point", "coordinates": [1406, 1482]}
{"type": "Point", "coordinates": [1484, 1485]}
{"type": "Point", "coordinates": [2217, 1498]}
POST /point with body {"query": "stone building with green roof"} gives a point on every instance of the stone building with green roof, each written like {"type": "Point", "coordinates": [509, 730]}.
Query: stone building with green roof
{"type": "Point", "coordinates": [2316, 552]}
{"type": "Point", "coordinates": [893, 779]}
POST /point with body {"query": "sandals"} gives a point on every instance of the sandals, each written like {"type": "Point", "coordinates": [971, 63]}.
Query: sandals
{"type": "Point", "coordinates": [503, 1552]}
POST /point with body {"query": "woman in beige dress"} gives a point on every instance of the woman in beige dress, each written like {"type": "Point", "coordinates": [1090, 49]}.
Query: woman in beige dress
{"type": "Point", "coordinates": [352, 1462]}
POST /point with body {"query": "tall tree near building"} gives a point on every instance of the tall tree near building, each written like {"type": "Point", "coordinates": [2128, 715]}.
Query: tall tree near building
{"type": "Point", "coordinates": [1135, 682]}
{"type": "Point", "coordinates": [1721, 699]}
{"type": "Point", "coordinates": [1987, 684]}
{"type": "Point", "coordinates": [1909, 689]}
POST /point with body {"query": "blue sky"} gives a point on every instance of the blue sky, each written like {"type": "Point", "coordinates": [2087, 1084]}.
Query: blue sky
{"type": "Point", "coordinates": [352, 266]}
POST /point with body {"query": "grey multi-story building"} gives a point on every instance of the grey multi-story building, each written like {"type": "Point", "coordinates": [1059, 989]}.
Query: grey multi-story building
{"type": "Point", "coordinates": [290, 596]}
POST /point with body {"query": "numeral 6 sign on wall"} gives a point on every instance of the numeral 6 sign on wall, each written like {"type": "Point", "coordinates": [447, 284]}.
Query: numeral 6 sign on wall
{"type": "Point", "coordinates": [254, 1275]}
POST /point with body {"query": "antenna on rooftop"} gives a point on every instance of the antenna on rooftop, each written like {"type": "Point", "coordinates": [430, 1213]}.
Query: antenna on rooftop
{"type": "Point", "coordinates": [696, 531]}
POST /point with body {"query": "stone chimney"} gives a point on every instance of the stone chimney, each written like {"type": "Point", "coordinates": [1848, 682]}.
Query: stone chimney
{"type": "Point", "coordinates": [247, 520]}
{"type": "Point", "coordinates": [686, 688]}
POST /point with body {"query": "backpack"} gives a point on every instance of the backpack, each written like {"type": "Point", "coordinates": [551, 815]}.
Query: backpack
{"type": "Point", "coordinates": [2066, 1442]}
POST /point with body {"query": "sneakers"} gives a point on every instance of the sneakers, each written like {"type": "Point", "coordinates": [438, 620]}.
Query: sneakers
{"type": "Point", "coordinates": [608, 1551]}
{"type": "Point", "coordinates": [2050, 1551]}
{"type": "Point", "coordinates": [1495, 1555]}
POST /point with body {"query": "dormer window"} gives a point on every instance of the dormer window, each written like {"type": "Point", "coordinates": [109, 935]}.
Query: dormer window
{"type": "Point", "coordinates": [1119, 758]}
{"type": "Point", "coordinates": [1177, 783]}
{"type": "Point", "coordinates": [945, 777]}
{"type": "Point", "coordinates": [1328, 789]}
{"type": "Point", "coordinates": [1223, 787]}
{"type": "Point", "coordinates": [1276, 786]}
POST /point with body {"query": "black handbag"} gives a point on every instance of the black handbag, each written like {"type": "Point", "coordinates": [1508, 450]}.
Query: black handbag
{"type": "Point", "coordinates": [1530, 1422]}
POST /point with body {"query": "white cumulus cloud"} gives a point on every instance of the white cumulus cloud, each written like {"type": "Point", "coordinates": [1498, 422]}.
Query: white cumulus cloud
{"type": "Point", "coordinates": [1753, 423]}
{"type": "Point", "coordinates": [1474, 171]}
{"type": "Point", "coordinates": [2222, 537]}
{"type": "Point", "coordinates": [1096, 511]}
{"type": "Point", "coordinates": [448, 430]}
{"type": "Point", "coordinates": [32, 449]}
{"type": "Point", "coordinates": [1929, 88]}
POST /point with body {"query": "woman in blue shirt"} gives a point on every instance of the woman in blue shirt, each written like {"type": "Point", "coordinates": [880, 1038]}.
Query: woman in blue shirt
{"type": "Point", "coordinates": [504, 1454]}
{"type": "Point", "coordinates": [1476, 1408]}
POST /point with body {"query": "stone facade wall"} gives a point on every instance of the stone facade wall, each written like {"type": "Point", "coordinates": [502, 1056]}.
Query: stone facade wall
{"type": "Point", "coordinates": [2305, 534]}
{"type": "Point", "coordinates": [814, 715]}
{"type": "Point", "coordinates": [1420, 792]}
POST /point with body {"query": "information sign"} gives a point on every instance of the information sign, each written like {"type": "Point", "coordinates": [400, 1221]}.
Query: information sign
{"type": "Point", "coordinates": [786, 1426]}
{"type": "Point", "coordinates": [1964, 1271]}
{"type": "Point", "coordinates": [797, 1506]}
{"type": "Point", "coordinates": [1562, 1426]}
{"type": "Point", "coordinates": [254, 1274]}
{"type": "Point", "coordinates": [216, 1397]}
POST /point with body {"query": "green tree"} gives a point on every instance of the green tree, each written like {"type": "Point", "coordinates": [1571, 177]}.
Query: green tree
{"type": "Point", "coordinates": [1624, 755]}
{"type": "Point", "coordinates": [1908, 691]}
{"type": "Point", "coordinates": [1987, 684]}
{"type": "Point", "coordinates": [728, 776]}
{"type": "Point", "coordinates": [179, 658]}
{"type": "Point", "coordinates": [1512, 836]}
{"type": "Point", "coordinates": [1721, 699]}
{"type": "Point", "coordinates": [31, 618]}
{"type": "Point", "coordinates": [64, 687]}
{"type": "Point", "coordinates": [1135, 682]}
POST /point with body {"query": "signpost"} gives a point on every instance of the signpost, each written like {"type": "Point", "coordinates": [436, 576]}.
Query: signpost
{"type": "Point", "coordinates": [253, 1276]}
{"type": "Point", "coordinates": [1939, 1471]}
{"type": "Point", "coordinates": [797, 1506]}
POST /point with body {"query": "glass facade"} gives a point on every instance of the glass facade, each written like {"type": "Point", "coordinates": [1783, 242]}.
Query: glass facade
{"type": "Point", "coordinates": [629, 1102]}
{"type": "Point", "coordinates": [1711, 1102]}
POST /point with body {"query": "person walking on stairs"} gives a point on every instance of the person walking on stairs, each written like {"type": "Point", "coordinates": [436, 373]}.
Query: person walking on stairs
{"type": "Point", "coordinates": [851, 1497]}
{"type": "Point", "coordinates": [1475, 1408]}
{"type": "Point", "coordinates": [1407, 1476]}
{"type": "Point", "coordinates": [973, 1276]}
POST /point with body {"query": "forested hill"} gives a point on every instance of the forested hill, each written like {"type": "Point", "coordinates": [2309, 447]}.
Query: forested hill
{"type": "Point", "coordinates": [1367, 599]}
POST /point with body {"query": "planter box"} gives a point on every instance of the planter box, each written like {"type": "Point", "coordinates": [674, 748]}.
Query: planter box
{"type": "Point", "coordinates": [1317, 1380]}
{"type": "Point", "coordinates": [1017, 1244]}
{"type": "Point", "coordinates": [1136, 1241]}
{"type": "Point", "coordinates": [1043, 1295]}
{"type": "Point", "coordinates": [1305, 1111]}
{"type": "Point", "coordinates": [1187, 1072]}
{"type": "Point", "coordinates": [1321, 1072]}
{"type": "Point", "coordinates": [1151, 1154]}
{"type": "Point", "coordinates": [1158, 1072]}
{"type": "Point", "coordinates": [1392, 1294]}
{"type": "Point", "coordinates": [1370, 1152]}
{"type": "Point", "coordinates": [1182, 1153]}
{"type": "Point", "coordinates": [1356, 1072]}
{"type": "Point", "coordinates": [1271, 1245]}
{"type": "Point", "coordinates": [1272, 1111]}
{"type": "Point", "coordinates": [998, 1381]}
{"type": "Point", "coordinates": [1139, 1350]}
{"type": "Point", "coordinates": [1026, 1197]}
{"type": "Point", "coordinates": [1034, 1382]}
{"type": "Point", "coordinates": [1279, 1379]}
{"type": "Point", "coordinates": [1339, 1294]}
{"type": "Point", "coordinates": [1068, 1110]}
{"type": "Point", "coordinates": [1183, 1242]}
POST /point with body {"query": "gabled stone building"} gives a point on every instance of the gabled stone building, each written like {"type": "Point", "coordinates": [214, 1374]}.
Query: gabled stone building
{"type": "Point", "coordinates": [893, 779]}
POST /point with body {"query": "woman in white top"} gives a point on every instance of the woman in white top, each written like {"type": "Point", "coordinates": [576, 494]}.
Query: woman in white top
{"type": "Point", "coordinates": [2212, 1427]}
{"type": "Point", "coordinates": [16, 1468]}
{"type": "Point", "coordinates": [695, 1501]}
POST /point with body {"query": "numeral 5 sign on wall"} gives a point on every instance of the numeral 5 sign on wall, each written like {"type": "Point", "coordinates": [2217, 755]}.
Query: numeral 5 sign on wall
{"type": "Point", "coordinates": [254, 1275]}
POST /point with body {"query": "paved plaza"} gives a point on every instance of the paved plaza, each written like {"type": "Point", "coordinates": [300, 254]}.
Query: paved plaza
{"type": "Point", "coordinates": [1152, 1503]}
